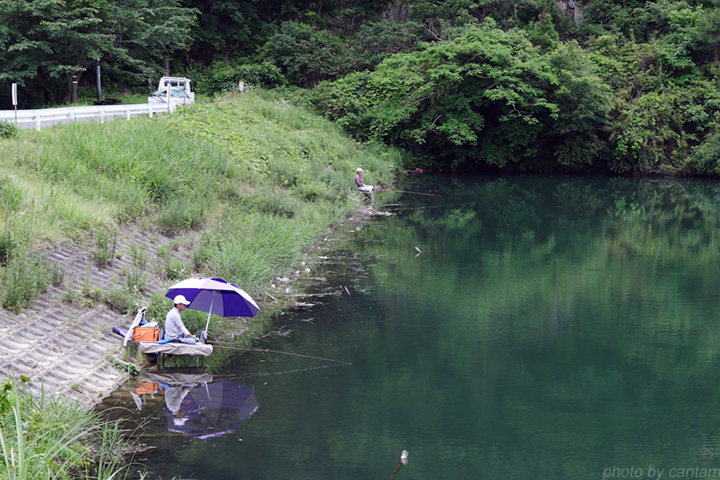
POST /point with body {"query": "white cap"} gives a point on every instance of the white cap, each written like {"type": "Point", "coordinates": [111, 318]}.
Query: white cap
{"type": "Point", "coordinates": [181, 299]}
{"type": "Point", "coordinates": [359, 170]}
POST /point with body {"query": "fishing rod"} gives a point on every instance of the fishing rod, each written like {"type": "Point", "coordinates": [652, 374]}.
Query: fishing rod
{"type": "Point", "coordinates": [267, 350]}
{"type": "Point", "coordinates": [413, 193]}
{"type": "Point", "coordinates": [244, 376]}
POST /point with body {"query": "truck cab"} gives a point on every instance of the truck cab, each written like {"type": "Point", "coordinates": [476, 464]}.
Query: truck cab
{"type": "Point", "coordinates": [182, 92]}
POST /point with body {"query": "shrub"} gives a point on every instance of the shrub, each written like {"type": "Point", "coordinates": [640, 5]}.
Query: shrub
{"type": "Point", "coordinates": [183, 212]}
{"type": "Point", "coordinates": [57, 275]}
{"type": "Point", "coordinates": [8, 245]}
{"type": "Point", "coordinates": [272, 202]}
{"type": "Point", "coordinates": [8, 129]}
{"type": "Point", "coordinates": [121, 299]}
{"type": "Point", "coordinates": [105, 247]}
{"type": "Point", "coordinates": [24, 277]}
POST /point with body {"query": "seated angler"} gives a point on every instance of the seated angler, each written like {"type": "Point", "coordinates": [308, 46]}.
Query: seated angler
{"type": "Point", "coordinates": [360, 184]}
{"type": "Point", "coordinates": [174, 327]}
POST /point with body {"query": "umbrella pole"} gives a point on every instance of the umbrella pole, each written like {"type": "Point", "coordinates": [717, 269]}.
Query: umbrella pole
{"type": "Point", "coordinates": [203, 335]}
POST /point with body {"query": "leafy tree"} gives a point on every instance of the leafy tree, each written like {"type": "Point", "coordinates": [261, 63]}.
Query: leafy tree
{"type": "Point", "coordinates": [226, 28]}
{"type": "Point", "coordinates": [305, 55]}
{"type": "Point", "coordinates": [44, 43]}
{"type": "Point", "coordinates": [705, 158]}
{"type": "Point", "coordinates": [584, 102]}
{"type": "Point", "coordinates": [47, 42]}
{"type": "Point", "coordinates": [707, 32]}
{"type": "Point", "coordinates": [376, 41]}
{"type": "Point", "coordinates": [543, 33]}
{"type": "Point", "coordinates": [487, 98]}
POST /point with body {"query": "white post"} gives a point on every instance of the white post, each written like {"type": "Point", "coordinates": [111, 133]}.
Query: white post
{"type": "Point", "coordinates": [169, 87]}
{"type": "Point", "coordinates": [38, 123]}
{"type": "Point", "coordinates": [150, 110]}
{"type": "Point", "coordinates": [14, 100]}
{"type": "Point", "coordinates": [102, 116]}
{"type": "Point", "coordinates": [127, 113]}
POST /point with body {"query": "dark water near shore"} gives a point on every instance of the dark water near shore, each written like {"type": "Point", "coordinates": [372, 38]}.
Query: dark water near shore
{"type": "Point", "coordinates": [551, 328]}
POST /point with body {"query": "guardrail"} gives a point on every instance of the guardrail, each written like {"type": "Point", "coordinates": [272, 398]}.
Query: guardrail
{"type": "Point", "coordinates": [47, 117]}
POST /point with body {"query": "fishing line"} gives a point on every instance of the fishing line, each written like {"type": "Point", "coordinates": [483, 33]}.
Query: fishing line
{"type": "Point", "coordinates": [267, 350]}
{"type": "Point", "coordinates": [242, 376]}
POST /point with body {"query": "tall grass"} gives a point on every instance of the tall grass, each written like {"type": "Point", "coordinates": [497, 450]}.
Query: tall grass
{"type": "Point", "coordinates": [55, 439]}
{"type": "Point", "coordinates": [261, 178]}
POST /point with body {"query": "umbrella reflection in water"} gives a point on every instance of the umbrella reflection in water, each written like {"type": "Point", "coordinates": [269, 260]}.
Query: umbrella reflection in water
{"type": "Point", "coordinates": [210, 410]}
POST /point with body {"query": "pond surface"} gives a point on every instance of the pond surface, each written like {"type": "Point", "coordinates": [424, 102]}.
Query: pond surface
{"type": "Point", "coordinates": [550, 328]}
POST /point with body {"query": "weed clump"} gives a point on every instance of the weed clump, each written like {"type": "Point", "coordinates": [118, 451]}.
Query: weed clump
{"type": "Point", "coordinates": [8, 129]}
{"type": "Point", "coordinates": [24, 277]}
{"type": "Point", "coordinates": [55, 438]}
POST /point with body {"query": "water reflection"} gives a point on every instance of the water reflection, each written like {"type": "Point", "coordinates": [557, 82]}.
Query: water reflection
{"type": "Point", "coordinates": [195, 405]}
{"type": "Point", "coordinates": [551, 328]}
{"type": "Point", "coordinates": [210, 410]}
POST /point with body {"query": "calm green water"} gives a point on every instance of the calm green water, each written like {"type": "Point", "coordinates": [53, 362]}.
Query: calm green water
{"type": "Point", "coordinates": [551, 328]}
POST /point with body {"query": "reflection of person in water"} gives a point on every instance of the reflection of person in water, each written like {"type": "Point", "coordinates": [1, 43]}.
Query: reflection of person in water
{"type": "Point", "coordinates": [174, 395]}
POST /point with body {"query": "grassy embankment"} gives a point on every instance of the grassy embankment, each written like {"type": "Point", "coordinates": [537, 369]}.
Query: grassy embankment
{"type": "Point", "coordinates": [262, 179]}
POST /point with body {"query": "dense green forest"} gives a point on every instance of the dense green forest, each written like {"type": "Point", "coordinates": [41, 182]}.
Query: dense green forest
{"type": "Point", "coordinates": [524, 85]}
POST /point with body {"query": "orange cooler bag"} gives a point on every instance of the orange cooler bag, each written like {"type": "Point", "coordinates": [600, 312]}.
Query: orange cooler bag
{"type": "Point", "coordinates": [145, 334]}
{"type": "Point", "coordinates": [147, 387]}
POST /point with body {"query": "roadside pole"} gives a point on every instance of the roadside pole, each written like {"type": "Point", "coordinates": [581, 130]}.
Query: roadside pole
{"type": "Point", "coordinates": [169, 87]}
{"type": "Point", "coordinates": [98, 82]}
{"type": "Point", "coordinates": [14, 101]}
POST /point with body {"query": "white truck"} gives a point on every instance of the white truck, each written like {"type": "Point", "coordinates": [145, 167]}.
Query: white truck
{"type": "Point", "coordinates": [181, 92]}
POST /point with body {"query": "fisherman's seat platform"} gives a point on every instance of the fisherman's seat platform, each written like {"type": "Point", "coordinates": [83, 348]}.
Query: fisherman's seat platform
{"type": "Point", "coordinates": [172, 348]}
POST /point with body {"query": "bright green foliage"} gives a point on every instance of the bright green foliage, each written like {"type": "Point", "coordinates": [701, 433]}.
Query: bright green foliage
{"type": "Point", "coordinates": [656, 132]}
{"type": "Point", "coordinates": [222, 77]}
{"type": "Point", "coordinates": [473, 83]}
{"type": "Point", "coordinates": [584, 105]}
{"type": "Point", "coordinates": [487, 97]}
{"type": "Point", "coordinates": [706, 157]}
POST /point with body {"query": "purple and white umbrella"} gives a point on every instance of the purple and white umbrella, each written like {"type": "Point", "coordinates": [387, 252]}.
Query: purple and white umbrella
{"type": "Point", "coordinates": [215, 295]}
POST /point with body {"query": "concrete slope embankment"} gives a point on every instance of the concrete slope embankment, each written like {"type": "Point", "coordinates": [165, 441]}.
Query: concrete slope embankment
{"type": "Point", "coordinates": [69, 348]}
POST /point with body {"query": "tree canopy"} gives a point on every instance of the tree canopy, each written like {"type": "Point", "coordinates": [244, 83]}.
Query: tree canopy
{"type": "Point", "coordinates": [44, 43]}
{"type": "Point", "coordinates": [532, 85]}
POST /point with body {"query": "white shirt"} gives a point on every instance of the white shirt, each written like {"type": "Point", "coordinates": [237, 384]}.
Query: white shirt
{"type": "Point", "coordinates": [174, 326]}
